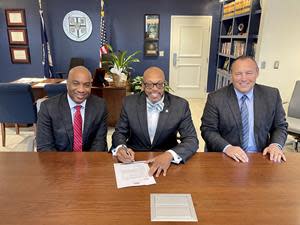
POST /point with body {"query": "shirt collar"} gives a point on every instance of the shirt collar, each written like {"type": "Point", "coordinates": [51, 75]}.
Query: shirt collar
{"type": "Point", "coordinates": [72, 104]}
{"type": "Point", "coordinates": [239, 94]}
{"type": "Point", "coordinates": [159, 102]}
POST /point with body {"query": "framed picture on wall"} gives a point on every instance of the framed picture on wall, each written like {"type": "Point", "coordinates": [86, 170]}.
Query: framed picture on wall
{"type": "Point", "coordinates": [19, 54]}
{"type": "Point", "coordinates": [15, 17]}
{"type": "Point", "coordinates": [151, 48]}
{"type": "Point", "coordinates": [151, 26]}
{"type": "Point", "coordinates": [17, 36]}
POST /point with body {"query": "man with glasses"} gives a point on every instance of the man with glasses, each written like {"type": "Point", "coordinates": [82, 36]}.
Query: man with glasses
{"type": "Point", "coordinates": [245, 117]}
{"type": "Point", "coordinates": [73, 121]}
{"type": "Point", "coordinates": [150, 121]}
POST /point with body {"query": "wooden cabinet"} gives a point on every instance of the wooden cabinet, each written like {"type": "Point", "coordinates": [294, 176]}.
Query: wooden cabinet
{"type": "Point", "coordinates": [114, 99]}
{"type": "Point", "coordinates": [239, 27]}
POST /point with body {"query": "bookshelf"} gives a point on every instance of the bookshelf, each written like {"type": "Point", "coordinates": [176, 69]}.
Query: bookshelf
{"type": "Point", "coordinates": [239, 27]}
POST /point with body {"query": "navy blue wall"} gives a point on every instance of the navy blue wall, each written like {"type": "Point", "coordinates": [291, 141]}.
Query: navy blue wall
{"type": "Point", "coordinates": [126, 19]}
{"type": "Point", "coordinates": [9, 71]}
{"type": "Point", "coordinates": [125, 23]}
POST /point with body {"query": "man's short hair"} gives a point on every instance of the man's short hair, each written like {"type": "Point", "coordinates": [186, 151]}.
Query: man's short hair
{"type": "Point", "coordinates": [243, 57]}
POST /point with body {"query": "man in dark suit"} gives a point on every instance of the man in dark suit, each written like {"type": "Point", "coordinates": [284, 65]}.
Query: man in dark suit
{"type": "Point", "coordinates": [245, 116]}
{"type": "Point", "coordinates": [73, 121]}
{"type": "Point", "coordinates": [150, 120]}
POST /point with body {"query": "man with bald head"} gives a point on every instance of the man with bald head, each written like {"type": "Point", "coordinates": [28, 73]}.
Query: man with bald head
{"type": "Point", "coordinates": [73, 121]}
{"type": "Point", "coordinates": [150, 121]}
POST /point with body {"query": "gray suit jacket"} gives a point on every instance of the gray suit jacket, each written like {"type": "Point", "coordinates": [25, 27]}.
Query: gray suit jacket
{"type": "Point", "coordinates": [132, 128]}
{"type": "Point", "coordinates": [55, 128]}
{"type": "Point", "coordinates": [222, 125]}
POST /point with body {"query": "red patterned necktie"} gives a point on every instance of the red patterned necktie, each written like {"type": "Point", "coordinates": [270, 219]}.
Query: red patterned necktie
{"type": "Point", "coordinates": [77, 128]}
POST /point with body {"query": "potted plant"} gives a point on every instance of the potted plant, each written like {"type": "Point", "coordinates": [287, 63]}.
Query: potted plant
{"type": "Point", "coordinates": [137, 82]}
{"type": "Point", "coordinates": [119, 65]}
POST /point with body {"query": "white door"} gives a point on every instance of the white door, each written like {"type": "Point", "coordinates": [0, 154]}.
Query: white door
{"type": "Point", "coordinates": [189, 54]}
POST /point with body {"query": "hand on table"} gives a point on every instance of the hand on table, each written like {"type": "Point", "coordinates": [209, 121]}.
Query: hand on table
{"type": "Point", "coordinates": [276, 154]}
{"type": "Point", "coordinates": [160, 163]}
{"type": "Point", "coordinates": [236, 153]}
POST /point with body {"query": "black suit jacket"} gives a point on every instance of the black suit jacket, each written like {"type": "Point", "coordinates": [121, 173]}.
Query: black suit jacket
{"type": "Point", "coordinates": [55, 128]}
{"type": "Point", "coordinates": [132, 127]}
{"type": "Point", "coordinates": [222, 124]}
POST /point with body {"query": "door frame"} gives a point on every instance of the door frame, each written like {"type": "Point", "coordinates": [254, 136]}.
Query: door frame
{"type": "Point", "coordinates": [171, 78]}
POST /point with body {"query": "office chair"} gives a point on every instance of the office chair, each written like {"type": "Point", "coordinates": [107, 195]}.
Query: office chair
{"type": "Point", "coordinates": [99, 78]}
{"type": "Point", "coordinates": [16, 106]}
{"type": "Point", "coordinates": [55, 89]}
{"type": "Point", "coordinates": [73, 63]}
{"type": "Point", "coordinates": [293, 115]}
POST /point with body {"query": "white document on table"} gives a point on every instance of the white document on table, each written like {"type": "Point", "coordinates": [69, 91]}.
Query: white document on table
{"type": "Point", "coordinates": [172, 207]}
{"type": "Point", "coordinates": [133, 174]}
{"type": "Point", "coordinates": [40, 85]}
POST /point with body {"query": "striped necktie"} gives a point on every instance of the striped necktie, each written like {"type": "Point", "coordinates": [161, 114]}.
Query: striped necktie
{"type": "Point", "coordinates": [245, 123]}
{"type": "Point", "coordinates": [77, 128]}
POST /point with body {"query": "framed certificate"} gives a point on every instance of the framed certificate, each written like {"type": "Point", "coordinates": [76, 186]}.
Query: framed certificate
{"type": "Point", "coordinates": [151, 48]}
{"type": "Point", "coordinates": [151, 26]}
{"type": "Point", "coordinates": [19, 54]}
{"type": "Point", "coordinates": [17, 36]}
{"type": "Point", "coordinates": [15, 17]}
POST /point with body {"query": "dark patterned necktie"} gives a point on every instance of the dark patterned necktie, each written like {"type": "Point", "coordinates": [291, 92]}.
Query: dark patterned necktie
{"type": "Point", "coordinates": [245, 123]}
{"type": "Point", "coordinates": [77, 128]}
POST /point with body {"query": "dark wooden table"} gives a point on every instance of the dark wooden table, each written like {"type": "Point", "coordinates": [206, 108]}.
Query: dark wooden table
{"type": "Point", "coordinates": [70, 188]}
{"type": "Point", "coordinates": [112, 95]}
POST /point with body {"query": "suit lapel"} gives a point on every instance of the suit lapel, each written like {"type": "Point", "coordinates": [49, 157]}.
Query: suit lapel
{"type": "Point", "coordinates": [66, 117]}
{"type": "Point", "coordinates": [142, 116]}
{"type": "Point", "coordinates": [257, 104]}
{"type": "Point", "coordinates": [163, 117]}
{"type": "Point", "coordinates": [87, 121]}
{"type": "Point", "coordinates": [235, 110]}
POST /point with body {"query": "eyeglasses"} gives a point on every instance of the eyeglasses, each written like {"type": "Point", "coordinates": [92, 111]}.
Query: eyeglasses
{"type": "Point", "coordinates": [159, 85]}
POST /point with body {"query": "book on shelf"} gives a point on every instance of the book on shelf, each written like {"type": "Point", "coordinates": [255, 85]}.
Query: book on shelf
{"type": "Point", "coordinates": [238, 48]}
{"type": "Point", "coordinates": [236, 7]}
{"type": "Point", "coordinates": [228, 10]}
{"type": "Point", "coordinates": [242, 6]}
{"type": "Point", "coordinates": [226, 47]}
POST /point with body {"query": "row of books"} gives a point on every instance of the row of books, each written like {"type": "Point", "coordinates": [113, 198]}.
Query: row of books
{"type": "Point", "coordinates": [236, 7]}
{"type": "Point", "coordinates": [226, 47]}
{"type": "Point", "coordinates": [238, 48]}
{"type": "Point", "coordinates": [242, 6]}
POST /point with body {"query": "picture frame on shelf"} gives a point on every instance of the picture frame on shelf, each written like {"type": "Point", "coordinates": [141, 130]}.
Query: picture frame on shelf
{"type": "Point", "coordinates": [17, 36]}
{"type": "Point", "coordinates": [15, 17]}
{"type": "Point", "coordinates": [151, 48]}
{"type": "Point", "coordinates": [20, 55]}
{"type": "Point", "coordinates": [152, 26]}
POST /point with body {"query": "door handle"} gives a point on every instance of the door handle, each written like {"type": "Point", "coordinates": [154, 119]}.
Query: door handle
{"type": "Point", "coordinates": [174, 59]}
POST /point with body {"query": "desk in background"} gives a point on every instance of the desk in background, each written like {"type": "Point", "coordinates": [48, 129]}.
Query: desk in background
{"type": "Point", "coordinates": [112, 95]}
{"type": "Point", "coordinates": [80, 188]}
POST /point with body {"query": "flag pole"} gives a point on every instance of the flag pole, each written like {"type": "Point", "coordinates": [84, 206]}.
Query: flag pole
{"type": "Point", "coordinates": [46, 53]}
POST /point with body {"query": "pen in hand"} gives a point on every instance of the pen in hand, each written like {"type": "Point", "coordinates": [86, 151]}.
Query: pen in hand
{"type": "Point", "coordinates": [128, 153]}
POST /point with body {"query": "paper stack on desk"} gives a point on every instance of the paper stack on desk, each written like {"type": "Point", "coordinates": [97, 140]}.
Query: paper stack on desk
{"type": "Point", "coordinates": [172, 207]}
{"type": "Point", "coordinates": [133, 174]}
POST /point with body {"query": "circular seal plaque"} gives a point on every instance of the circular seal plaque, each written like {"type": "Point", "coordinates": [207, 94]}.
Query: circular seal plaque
{"type": "Point", "coordinates": [77, 25]}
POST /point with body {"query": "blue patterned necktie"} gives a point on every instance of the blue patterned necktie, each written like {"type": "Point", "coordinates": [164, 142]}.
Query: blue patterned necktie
{"type": "Point", "coordinates": [155, 107]}
{"type": "Point", "coordinates": [245, 122]}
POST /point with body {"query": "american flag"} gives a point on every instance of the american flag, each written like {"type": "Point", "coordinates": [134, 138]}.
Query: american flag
{"type": "Point", "coordinates": [46, 53]}
{"type": "Point", "coordinates": [103, 36]}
